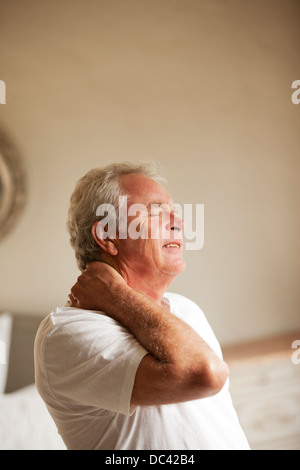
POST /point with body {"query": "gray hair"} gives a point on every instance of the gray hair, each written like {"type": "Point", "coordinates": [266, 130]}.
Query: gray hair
{"type": "Point", "coordinates": [98, 186]}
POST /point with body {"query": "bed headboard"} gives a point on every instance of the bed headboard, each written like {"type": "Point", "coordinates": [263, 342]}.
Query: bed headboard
{"type": "Point", "coordinates": [21, 365]}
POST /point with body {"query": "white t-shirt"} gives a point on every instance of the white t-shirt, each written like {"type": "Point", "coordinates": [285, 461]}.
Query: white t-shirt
{"type": "Point", "coordinates": [85, 366]}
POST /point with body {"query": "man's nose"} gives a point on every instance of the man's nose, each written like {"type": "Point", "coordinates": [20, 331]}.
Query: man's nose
{"type": "Point", "coordinates": [176, 222]}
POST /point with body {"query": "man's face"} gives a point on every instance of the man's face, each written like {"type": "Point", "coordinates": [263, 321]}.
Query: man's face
{"type": "Point", "coordinates": [159, 253]}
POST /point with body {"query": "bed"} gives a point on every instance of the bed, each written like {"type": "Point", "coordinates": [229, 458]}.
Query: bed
{"type": "Point", "coordinates": [25, 423]}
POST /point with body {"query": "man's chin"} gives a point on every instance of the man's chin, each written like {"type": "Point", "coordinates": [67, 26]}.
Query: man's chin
{"type": "Point", "coordinates": [175, 270]}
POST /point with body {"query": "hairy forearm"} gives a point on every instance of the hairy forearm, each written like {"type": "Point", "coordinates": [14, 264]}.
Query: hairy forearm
{"type": "Point", "coordinates": [176, 352]}
{"type": "Point", "coordinates": [167, 338]}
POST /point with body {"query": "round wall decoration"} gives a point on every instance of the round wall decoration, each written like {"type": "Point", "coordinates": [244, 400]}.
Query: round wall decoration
{"type": "Point", "coordinates": [12, 184]}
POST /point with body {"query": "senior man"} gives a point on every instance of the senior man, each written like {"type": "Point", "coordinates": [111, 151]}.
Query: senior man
{"type": "Point", "coordinates": [128, 365]}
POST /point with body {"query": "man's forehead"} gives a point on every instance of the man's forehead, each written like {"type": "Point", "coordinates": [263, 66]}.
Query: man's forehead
{"type": "Point", "coordinates": [136, 180]}
{"type": "Point", "coordinates": [142, 189]}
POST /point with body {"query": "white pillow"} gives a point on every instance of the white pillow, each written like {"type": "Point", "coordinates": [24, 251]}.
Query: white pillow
{"type": "Point", "coordinates": [5, 337]}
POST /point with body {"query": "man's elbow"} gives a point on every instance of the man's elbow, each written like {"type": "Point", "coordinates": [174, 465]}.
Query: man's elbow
{"type": "Point", "coordinates": [210, 378]}
{"type": "Point", "coordinates": [218, 374]}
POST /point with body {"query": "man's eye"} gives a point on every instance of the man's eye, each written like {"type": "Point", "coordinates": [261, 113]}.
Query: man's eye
{"type": "Point", "coordinates": [154, 213]}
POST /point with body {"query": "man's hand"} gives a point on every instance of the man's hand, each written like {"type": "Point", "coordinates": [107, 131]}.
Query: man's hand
{"type": "Point", "coordinates": [96, 287]}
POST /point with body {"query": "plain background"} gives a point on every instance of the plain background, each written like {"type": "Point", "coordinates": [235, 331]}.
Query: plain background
{"type": "Point", "coordinates": [203, 88]}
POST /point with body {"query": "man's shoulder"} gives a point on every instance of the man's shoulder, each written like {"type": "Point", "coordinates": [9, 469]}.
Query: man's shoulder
{"type": "Point", "coordinates": [185, 308]}
{"type": "Point", "coordinates": [74, 334]}
{"type": "Point", "coordinates": [180, 300]}
{"type": "Point", "coordinates": [189, 311]}
{"type": "Point", "coordinates": [70, 321]}
{"type": "Point", "coordinates": [66, 315]}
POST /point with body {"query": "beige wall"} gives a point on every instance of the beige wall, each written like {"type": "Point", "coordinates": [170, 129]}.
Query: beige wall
{"type": "Point", "coordinates": [203, 87]}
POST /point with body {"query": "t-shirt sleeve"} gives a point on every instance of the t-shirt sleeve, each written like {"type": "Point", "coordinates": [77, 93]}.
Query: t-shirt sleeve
{"type": "Point", "coordinates": [92, 362]}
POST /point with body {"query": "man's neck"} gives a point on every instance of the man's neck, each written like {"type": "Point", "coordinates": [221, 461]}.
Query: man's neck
{"type": "Point", "coordinates": [152, 287]}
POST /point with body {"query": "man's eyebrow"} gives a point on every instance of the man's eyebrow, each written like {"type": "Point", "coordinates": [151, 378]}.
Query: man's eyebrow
{"type": "Point", "coordinates": [155, 203]}
{"type": "Point", "coordinates": [161, 203]}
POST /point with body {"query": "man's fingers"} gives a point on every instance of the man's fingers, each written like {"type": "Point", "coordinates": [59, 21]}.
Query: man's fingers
{"type": "Point", "coordinates": [73, 300]}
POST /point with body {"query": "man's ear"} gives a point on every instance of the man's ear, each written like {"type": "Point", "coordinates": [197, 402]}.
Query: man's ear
{"type": "Point", "coordinates": [101, 238]}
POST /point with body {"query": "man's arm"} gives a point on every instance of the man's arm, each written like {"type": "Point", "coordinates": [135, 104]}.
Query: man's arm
{"type": "Point", "coordinates": [180, 366]}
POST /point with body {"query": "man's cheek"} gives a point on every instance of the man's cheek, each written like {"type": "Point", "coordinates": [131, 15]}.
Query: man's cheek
{"type": "Point", "coordinates": [155, 229]}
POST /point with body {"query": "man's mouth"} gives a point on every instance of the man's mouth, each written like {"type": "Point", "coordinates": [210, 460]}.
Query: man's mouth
{"type": "Point", "coordinates": [171, 245]}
